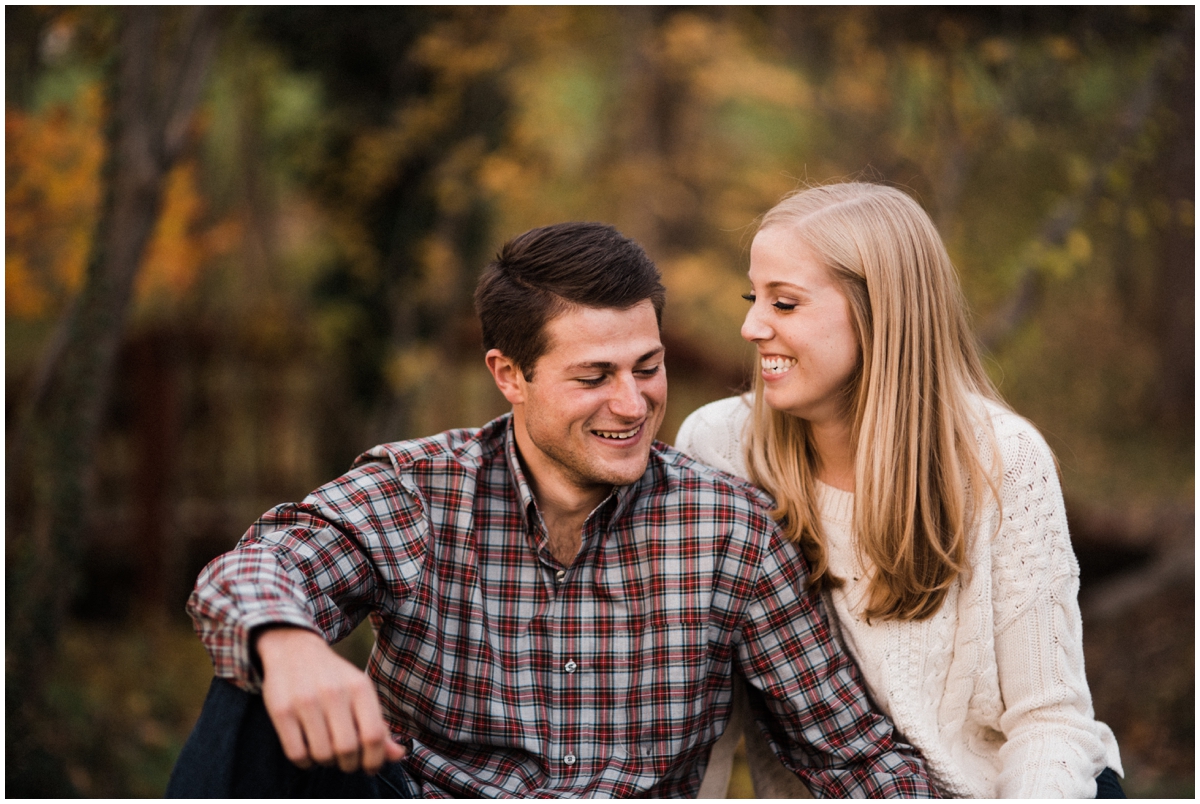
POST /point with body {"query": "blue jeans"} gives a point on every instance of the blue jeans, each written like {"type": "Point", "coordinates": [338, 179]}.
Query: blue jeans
{"type": "Point", "coordinates": [233, 752]}
{"type": "Point", "coordinates": [1107, 785]}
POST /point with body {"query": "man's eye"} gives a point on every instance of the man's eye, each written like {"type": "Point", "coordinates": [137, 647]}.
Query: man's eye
{"type": "Point", "coordinates": [783, 306]}
{"type": "Point", "coordinates": [648, 372]}
{"type": "Point", "coordinates": [591, 381]}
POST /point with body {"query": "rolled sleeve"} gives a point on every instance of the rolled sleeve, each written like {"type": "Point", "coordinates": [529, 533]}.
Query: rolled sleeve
{"type": "Point", "coordinates": [312, 565]}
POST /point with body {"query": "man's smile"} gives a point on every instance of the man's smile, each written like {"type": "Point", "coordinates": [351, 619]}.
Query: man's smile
{"type": "Point", "coordinates": [619, 435]}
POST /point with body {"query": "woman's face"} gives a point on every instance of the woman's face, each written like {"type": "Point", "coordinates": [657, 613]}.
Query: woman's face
{"type": "Point", "coordinates": [801, 323]}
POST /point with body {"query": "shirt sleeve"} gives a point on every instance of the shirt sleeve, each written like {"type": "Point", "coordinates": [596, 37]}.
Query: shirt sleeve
{"type": "Point", "coordinates": [351, 547]}
{"type": "Point", "coordinates": [1053, 746]}
{"type": "Point", "coordinates": [820, 721]}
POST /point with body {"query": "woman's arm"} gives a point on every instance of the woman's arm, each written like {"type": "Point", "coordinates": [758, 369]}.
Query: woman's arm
{"type": "Point", "coordinates": [1054, 745]}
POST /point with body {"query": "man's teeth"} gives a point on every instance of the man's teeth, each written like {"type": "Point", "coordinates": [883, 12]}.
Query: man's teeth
{"type": "Point", "coordinates": [619, 435]}
{"type": "Point", "coordinates": [777, 365]}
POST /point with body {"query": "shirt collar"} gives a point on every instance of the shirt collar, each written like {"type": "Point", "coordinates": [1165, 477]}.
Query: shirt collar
{"type": "Point", "coordinates": [525, 497]}
{"type": "Point", "coordinates": [608, 509]}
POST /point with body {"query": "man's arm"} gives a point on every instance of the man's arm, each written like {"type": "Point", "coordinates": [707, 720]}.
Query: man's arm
{"type": "Point", "coordinates": [826, 729]}
{"type": "Point", "coordinates": [324, 709]}
{"type": "Point", "coordinates": [303, 576]}
{"type": "Point", "coordinates": [354, 546]}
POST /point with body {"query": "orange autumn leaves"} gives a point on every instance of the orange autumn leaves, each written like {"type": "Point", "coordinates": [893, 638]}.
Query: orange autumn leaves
{"type": "Point", "coordinates": [52, 194]}
{"type": "Point", "coordinates": [54, 160]}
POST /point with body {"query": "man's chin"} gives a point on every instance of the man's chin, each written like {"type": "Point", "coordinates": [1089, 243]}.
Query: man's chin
{"type": "Point", "coordinates": [623, 475]}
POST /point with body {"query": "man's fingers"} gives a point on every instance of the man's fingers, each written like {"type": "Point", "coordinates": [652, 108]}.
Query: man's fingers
{"type": "Point", "coordinates": [373, 735]}
{"type": "Point", "coordinates": [291, 738]}
{"type": "Point", "coordinates": [344, 737]}
{"type": "Point", "coordinates": [325, 709]}
{"type": "Point", "coordinates": [394, 751]}
{"type": "Point", "coordinates": [351, 735]}
{"type": "Point", "coordinates": [316, 734]}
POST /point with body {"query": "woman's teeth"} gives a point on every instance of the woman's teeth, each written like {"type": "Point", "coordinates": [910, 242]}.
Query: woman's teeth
{"type": "Point", "coordinates": [777, 365]}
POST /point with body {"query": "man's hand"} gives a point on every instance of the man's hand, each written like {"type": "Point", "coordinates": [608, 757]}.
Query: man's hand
{"type": "Point", "coordinates": [325, 709]}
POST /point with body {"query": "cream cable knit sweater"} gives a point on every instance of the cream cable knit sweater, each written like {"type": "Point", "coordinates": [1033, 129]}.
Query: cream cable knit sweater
{"type": "Point", "coordinates": [991, 689]}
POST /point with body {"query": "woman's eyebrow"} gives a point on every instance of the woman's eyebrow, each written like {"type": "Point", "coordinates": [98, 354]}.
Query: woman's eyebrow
{"type": "Point", "coordinates": [778, 285]}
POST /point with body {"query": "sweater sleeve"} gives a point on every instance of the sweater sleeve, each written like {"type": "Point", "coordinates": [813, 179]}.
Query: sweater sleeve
{"type": "Point", "coordinates": [1053, 746]}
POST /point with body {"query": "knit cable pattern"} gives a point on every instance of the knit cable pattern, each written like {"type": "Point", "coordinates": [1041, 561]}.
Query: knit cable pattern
{"type": "Point", "coordinates": [991, 688]}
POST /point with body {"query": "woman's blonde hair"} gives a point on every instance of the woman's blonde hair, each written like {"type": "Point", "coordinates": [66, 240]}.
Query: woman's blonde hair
{"type": "Point", "coordinates": [913, 403]}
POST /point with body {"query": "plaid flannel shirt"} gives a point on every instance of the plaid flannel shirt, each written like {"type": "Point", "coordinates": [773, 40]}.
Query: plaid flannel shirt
{"type": "Point", "coordinates": [517, 676]}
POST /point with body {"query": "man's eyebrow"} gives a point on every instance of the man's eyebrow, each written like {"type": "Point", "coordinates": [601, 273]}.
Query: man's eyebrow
{"type": "Point", "coordinates": [658, 351]}
{"type": "Point", "coordinates": [607, 365]}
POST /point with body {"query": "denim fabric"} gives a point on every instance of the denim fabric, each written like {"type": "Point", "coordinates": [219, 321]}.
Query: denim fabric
{"type": "Point", "coordinates": [1107, 785]}
{"type": "Point", "coordinates": [233, 752]}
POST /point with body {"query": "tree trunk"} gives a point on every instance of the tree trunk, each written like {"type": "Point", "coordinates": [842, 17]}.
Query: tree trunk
{"type": "Point", "coordinates": [162, 60]}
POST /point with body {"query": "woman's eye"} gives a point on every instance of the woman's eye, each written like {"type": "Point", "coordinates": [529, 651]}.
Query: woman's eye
{"type": "Point", "coordinates": [779, 305]}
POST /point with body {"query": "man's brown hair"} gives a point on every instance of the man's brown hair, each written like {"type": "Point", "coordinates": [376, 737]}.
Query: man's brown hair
{"type": "Point", "coordinates": [539, 274]}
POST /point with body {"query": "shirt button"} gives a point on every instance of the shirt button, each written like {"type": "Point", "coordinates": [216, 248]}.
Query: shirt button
{"type": "Point", "coordinates": [569, 759]}
{"type": "Point", "coordinates": [571, 667]}
{"type": "Point", "coordinates": [560, 575]}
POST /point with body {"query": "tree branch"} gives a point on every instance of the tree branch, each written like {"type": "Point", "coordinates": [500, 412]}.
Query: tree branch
{"type": "Point", "coordinates": [199, 42]}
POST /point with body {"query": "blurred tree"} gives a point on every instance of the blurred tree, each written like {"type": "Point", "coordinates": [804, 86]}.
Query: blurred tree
{"type": "Point", "coordinates": [306, 290]}
{"type": "Point", "coordinates": [162, 59]}
{"type": "Point", "coordinates": [413, 108]}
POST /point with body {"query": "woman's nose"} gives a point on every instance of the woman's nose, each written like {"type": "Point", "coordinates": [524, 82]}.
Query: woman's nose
{"type": "Point", "coordinates": [753, 329]}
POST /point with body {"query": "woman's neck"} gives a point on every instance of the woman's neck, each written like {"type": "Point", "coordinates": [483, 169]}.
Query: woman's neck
{"type": "Point", "coordinates": [835, 454]}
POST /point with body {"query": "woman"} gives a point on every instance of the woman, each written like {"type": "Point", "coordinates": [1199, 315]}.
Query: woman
{"type": "Point", "coordinates": [930, 514]}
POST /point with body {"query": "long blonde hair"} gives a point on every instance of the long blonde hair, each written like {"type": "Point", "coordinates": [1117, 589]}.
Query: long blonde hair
{"type": "Point", "coordinates": [913, 404]}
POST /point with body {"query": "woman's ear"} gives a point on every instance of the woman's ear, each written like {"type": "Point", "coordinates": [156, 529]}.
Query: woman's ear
{"type": "Point", "coordinates": [507, 375]}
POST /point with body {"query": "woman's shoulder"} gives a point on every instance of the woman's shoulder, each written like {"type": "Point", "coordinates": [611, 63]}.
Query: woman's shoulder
{"type": "Point", "coordinates": [1031, 549]}
{"type": "Point", "coordinates": [1018, 440]}
{"type": "Point", "coordinates": [722, 410]}
{"type": "Point", "coordinates": [713, 433]}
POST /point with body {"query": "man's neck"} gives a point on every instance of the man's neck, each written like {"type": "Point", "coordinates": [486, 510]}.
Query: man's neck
{"type": "Point", "coordinates": [564, 505]}
{"type": "Point", "coordinates": [564, 515]}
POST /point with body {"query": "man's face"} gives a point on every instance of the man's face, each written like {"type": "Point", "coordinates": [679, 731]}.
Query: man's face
{"type": "Point", "coordinates": [586, 420]}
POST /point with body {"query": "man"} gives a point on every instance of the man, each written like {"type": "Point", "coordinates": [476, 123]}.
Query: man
{"type": "Point", "coordinates": [559, 601]}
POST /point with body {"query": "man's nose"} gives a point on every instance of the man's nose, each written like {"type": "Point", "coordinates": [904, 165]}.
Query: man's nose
{"type": "Point", "coordinates": [627, 400]}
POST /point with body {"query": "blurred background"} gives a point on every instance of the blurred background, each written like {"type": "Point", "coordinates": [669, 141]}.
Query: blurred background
{"type": "Point", "coordinates": [240, 246]}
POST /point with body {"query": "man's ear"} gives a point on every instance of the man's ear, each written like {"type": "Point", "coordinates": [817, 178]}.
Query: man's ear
{"type": "Point", "coordinates": [507, 375]}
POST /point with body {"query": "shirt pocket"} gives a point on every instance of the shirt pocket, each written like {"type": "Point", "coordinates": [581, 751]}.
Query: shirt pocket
{"type": "Point", "coordinates": [670, 690]}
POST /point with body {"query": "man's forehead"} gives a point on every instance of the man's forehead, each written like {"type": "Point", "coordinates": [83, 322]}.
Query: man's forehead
{"type": "Point", "coordinates": [603, 337]}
